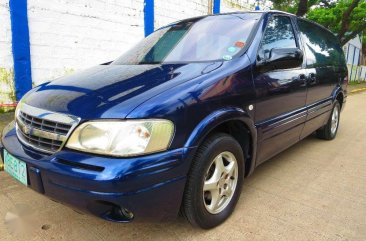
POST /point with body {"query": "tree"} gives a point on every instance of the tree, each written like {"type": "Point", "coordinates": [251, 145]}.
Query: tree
{"type": "Point", "coordinates": [346, 18]}
{"type": "Point", "coordinates": [364, 48]}
{"type": "Point", "coordinates": [302, 8]}
{"type": "Point", "coordinates": [286, 5]}
{"type": "Point", "coordinates": [299, 7]}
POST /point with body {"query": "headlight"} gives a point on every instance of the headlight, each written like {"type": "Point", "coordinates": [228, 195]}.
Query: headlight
{"type": "Point", "coordinates": [122, 138]}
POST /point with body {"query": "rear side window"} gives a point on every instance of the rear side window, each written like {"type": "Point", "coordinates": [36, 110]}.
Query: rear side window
{"type": "Point", "coordinates": [278, 34]}
{"type": "Point", "coordinates": [322, 47]}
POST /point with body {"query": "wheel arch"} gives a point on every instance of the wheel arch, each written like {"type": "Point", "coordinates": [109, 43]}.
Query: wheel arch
{"type": "Point", "coordinates": [340, 98]}
{"type": "Point", "coordinates": [233, 121]}
{"type": "Point", "coordinates": [339, 95]}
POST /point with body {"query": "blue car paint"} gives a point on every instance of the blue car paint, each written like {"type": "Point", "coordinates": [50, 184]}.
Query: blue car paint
{"type": "Point", "coordinates": [143, 182]}
{"type": "Point", "coordinates": [196, 97]}
{"type": "Point", "coordinates": [110, 91]}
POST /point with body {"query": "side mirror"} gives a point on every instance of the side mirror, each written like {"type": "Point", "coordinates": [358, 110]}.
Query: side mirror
{"type": "Point", "coordinates": [282, 58]}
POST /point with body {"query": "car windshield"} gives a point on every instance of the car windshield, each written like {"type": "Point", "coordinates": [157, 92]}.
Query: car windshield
{"type": "Point", "coordinates": [208, 38]}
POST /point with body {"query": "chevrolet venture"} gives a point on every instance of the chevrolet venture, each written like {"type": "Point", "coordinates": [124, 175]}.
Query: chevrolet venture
{"type": "Point", "coordinates": [177, 122]}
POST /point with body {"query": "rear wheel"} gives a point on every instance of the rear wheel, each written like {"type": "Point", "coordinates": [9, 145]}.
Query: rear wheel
{"type": "Point", "coordinates": [214, 182]}
{"type": "Point", "coordinates": [329, 131]}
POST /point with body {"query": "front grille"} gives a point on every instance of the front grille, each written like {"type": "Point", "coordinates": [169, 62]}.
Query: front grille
{"type": "Point", "coordinates": [40, 142]}
{"type": "Point", "coordinates": [42, 130]}
{"type": "Point", "coordinates": [44, 125]}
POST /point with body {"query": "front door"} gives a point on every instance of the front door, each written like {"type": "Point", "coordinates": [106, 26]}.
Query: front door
{"type": "Point", "coordinates": [280, 94]}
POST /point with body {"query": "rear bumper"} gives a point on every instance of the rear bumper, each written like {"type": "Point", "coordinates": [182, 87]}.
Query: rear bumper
{"type": "Point", "coordinates": [150, 186]}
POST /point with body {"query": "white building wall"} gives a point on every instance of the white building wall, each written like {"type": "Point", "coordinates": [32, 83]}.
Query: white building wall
{"type": "Point", "coordinates": [168, 11]}
{"type": "Point", "coordinates": [228, 6]}
{"type": "Point", "coordinates": [6, 57]}
{"type": "Point", "coordinates": [67, 36]}
{"type": "Point", "coordinates": [70, 35]}
{"type": "Point", "coordinates": [352, 51]}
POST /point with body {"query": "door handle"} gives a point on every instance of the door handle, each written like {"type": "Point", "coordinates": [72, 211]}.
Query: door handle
{"type": "Point", "coordinates": [312, 78]}
{"type": "Point", "coordinates": [302, 77]}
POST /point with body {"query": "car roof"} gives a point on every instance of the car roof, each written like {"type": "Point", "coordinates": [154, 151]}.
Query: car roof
{"type": "Point", "coordinates": [237, 13]}
{"type": "Point", "coordinates": [258, 11]}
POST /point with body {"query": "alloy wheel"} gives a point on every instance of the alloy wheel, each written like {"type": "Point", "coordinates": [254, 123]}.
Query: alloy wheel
{"type": "Point", "coordinates": [220, 182]}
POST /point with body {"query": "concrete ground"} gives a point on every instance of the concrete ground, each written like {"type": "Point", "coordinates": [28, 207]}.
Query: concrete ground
{"type": "Point", "coordinates": [315, 190]}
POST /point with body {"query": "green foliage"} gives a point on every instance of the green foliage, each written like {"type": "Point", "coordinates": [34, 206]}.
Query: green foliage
{"type": "Point", "coordinates": [7, 83]}
{"type": "Point", "coordinates": [330, 13]}
{"type": "Point", "coordinates": [291, 6]}
{"type": "Point", "coordinates": [325, 17]}
{"type": "Point", "coordinates": [7, 88]}
{"type": "Point", "coordinates": [332, 17]}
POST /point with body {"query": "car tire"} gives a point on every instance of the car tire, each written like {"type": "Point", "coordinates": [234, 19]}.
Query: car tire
{"type": "Point", "coordinates": [329, 131]}
{"type": "Point", "coordinates": [214, 181]}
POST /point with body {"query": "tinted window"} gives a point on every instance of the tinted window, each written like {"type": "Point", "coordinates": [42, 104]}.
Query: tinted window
{"type": "Point", "coordinates": [278, 34]}
{"type": "Point", "coordinates": [201, 39]}
{"type": "Point", "coordinates": [322, 47]}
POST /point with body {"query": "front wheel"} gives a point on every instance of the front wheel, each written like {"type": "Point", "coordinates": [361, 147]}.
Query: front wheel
{"type": "Point", "coordinates": [214, 182]}
{"type": "Point", "coordinates": [329, 131]}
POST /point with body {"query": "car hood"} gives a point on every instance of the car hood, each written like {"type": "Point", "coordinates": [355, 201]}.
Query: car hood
{"type": "Point", "coordinates": [112, 91]}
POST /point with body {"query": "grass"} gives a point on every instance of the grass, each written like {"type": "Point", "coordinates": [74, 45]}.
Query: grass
{"type": "Point", "coordinates": [5, 118]}
{"type": "Point", "coordinates": [7, 89]}
{"type": "Point", "coordinates": [353, 83]}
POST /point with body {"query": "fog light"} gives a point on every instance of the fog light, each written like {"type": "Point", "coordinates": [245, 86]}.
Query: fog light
{"type": "Point", "coordinates": [119, 214]}
{"type": "Point", "coordinates": [1, 167]}
{"type": "Point", "coordinates": [127, 213]}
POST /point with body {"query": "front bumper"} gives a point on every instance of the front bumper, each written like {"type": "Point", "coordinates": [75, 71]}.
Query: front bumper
{"type": "Point", "coordinates": [149, 186]}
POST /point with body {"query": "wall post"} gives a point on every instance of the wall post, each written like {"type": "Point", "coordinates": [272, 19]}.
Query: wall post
{"type": "Point", "coordinates": [148, 17]}
{"type": "Point", "coordinates": [20, 47]}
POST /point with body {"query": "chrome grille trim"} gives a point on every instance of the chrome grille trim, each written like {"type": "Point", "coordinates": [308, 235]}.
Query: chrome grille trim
{"type": "Point", "coordinates": [43, 124]}
{"type": "Point", "coordinates": [33, 130]}
{"type": "Point", "coordinates": [43, 130]}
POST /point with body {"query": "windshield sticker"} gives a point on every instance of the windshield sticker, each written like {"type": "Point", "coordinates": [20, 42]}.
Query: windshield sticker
{"type": "Point", "coordinates": [239, 44]}
{"type": "Point", "coordinates": [227, 57]}
{"type": "Point", "coordinates": [232, 49]}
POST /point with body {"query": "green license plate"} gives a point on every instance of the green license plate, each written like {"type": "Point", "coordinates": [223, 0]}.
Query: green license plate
{"type": "Point", "coordinates": [15, 167]}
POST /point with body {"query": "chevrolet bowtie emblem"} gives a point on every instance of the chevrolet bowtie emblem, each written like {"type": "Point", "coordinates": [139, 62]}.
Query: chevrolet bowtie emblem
{"type": "Point", "coordinates": [27, 130]}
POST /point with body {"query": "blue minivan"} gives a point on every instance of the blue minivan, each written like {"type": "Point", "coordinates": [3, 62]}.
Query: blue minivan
{"type": "Point", "coordinates": [176, 123]}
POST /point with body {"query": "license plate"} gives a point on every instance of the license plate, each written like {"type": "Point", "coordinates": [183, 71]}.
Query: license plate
{"type": "Point", "coordinates": [16, 168]}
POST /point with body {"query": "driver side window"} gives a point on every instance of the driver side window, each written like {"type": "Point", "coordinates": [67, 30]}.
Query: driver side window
{"type": "Point", "coordinates": [278, 34]}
